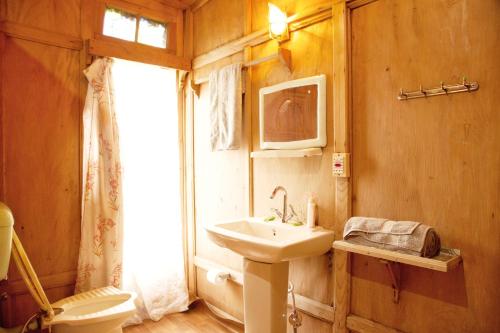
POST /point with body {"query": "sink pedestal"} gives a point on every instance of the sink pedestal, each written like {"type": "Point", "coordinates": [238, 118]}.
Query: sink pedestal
{"type": "Point", "coordinates": [265, 291]}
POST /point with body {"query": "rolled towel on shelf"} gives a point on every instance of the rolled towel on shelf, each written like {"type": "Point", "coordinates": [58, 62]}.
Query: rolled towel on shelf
{"type": "Point", "coordinates": [401, 236]}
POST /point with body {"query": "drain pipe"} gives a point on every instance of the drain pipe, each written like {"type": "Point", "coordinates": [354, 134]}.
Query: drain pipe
{"type": "Point", "coordinates": [295, 318]}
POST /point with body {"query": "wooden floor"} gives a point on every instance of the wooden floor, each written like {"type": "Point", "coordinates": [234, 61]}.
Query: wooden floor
{"type": "Point", "coordinates": [197, 319]}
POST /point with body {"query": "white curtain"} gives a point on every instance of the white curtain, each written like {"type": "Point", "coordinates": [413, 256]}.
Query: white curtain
{"type": "Point", "coordinates": [141, 225]}
{"type": "Point", "coordinates": [100, 260]}
{"type": "Point", "coordinates": [153, 265]}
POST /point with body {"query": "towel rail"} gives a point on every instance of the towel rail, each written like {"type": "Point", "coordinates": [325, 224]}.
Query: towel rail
{"type": "Point", "coordinates": [283, 55]}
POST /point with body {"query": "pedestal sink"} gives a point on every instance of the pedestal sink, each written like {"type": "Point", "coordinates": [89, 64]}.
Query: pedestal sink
{"type": "Point", "coordinates": [267, 248]}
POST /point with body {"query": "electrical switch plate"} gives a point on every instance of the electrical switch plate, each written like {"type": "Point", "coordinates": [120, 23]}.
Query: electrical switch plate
{"type": "Point", "coordinates": [341, 165]}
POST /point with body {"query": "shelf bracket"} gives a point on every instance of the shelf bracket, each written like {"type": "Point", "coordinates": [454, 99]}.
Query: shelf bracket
{"type": "Point", "coordinates": [394, 270]}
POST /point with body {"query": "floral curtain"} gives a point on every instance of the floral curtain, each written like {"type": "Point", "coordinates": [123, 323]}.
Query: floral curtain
{"type": "Point", "coordinates": [100, 261]}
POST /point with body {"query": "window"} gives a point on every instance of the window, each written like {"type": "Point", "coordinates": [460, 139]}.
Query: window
{"type": "Point", "coordinates": [119, 24]}
{"type": "Point", "coordinates": [134, 28]}
{"type": "Point", "coordinates": [152, 33]}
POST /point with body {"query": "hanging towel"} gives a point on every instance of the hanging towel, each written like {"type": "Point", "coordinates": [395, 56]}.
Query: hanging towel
{"type": "Point", "coordinates": [225, 107]}
{"type": "Point", "coordinates": [402, 236]}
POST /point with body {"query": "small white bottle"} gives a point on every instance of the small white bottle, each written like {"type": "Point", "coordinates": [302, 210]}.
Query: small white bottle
{"type": "Point", "coordinates": [312, 212]}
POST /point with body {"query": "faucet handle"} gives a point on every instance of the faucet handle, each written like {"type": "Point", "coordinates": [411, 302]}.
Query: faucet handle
{"type": "Point", "coordinates": [277, 212]}
{"type": "Point", "coordinates": [291, 215]}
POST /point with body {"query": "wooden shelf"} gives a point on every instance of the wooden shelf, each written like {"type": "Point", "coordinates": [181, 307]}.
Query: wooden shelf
{"type": "Point", "coordinates": [283, 153]}
{"type": "Point", "coordinates": [444, 262]}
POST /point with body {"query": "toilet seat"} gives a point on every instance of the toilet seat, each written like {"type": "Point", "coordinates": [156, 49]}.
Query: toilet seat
{"type": "Point", "coordinates": [102, 310]}
{"type": "Point", "coordinates": [93, 306]}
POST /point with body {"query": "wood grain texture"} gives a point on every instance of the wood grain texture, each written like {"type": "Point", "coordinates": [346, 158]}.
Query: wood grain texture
{"type": "Point", "coordinates": [363, 325]}
{"type": "Point", "coordinates": [341, 124]}
{"type": "Point", "coordinates": [42, 91]}
{"type": "Point", "coordinates": [197, 4]}
{"type": "Point", "coordinates": [221, 178]}
{"type": "Point", "coordinates": [51, 15]}
{"type": "Point", "coordinates": [311, 50]}
{"type": "Point", "coordinates": [137, 52]}
{"type": "Point", "coordinates": [445, 261]}
{"type": "Point", "coordinates": [220, 192]}
{"type": "Point", "coordinates": [217, 23]}
{"type": "Point", "coordinates": [311, 15]}
{"type": "Point", "coordinates": [41, 158]}
{"type": "Point", "coordinates": [196, 320]}
{"type": "Point", "coordinates": [430, 160]}
{"type": "Point", "coordinates": [50, 38]}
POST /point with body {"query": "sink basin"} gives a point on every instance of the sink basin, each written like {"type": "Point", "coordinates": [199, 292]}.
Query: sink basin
{"type": "Point", "coordinates": [270, 242]}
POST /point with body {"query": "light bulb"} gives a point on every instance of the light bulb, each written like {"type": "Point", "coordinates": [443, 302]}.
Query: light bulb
{"type": "Point", "coordinates": [278, 24]}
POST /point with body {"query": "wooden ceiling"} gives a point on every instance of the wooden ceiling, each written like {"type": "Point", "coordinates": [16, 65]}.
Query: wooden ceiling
{"type": "Point", "coordinates": [183, 4]}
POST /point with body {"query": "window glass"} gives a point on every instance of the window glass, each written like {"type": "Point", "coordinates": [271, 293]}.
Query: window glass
{"type": "Point", "coordinates": [152, 33]}
{"type": "Point", "coordinates": [119, 24]}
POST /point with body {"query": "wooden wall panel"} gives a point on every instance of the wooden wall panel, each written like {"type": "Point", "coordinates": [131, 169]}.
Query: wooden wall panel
{"type": "Point", "coordinates": [41, 123]}
{"type": "Point", "coordinates": [260, 8]}
{"type": "Point", "coordinates": [221, 177]}
{"type": "Point", "coordinates": [220, 191]}
{"type": "Point", "coordinates": [434, 160]}
{"type": "Point", "coordinates": [51, 15]}
{"type": "Point", "coordinates": [41, 140]}
{"type": "Point", "coordinates": [40, 137]}
{"type": "Point", "coordinates": [216, 23]}
{"type": "Point", "coordinates": [311, 55]}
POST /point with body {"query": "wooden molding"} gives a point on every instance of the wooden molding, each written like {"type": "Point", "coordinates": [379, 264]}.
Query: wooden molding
{"type": "Point", "coordinates": [2, 138]}
{"type": "Point", "coordinates": [136, 52]}
{"type": "Point", "coordinates": [231, 48]}
{"type": "Point", "coordinates": [38, 35]}
{"type": "Point", "coordinates": [358, 3]}
{"type": "Point", "coordinates": [18, 287]}
{"type": "Point", "coordinates": [198, 4]}
{"type": "Point", "coordinates": [363, 325]}
{"type": "Point", "coordinates": [341, 132]}
{"type": "Point", "coordinates": [299, 21]}
{"type": "Point", "coordinates": [178, 4]}
{"type": "Point", "coordinates": [189, 189]}
{"type": "Point", "coordinates": [247, 57]}
{"type": "Point", "coordinates": [307, 305]}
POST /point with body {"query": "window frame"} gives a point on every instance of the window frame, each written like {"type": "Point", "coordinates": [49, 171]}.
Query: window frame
{"type": "Point", "coordinates": [166, 15]}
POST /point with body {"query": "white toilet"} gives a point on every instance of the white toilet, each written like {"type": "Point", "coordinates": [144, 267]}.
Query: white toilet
{"type": "Point", "coordinates": [101, 310]}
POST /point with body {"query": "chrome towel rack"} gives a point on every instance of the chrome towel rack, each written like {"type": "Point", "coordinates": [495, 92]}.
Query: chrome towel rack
{"type": "Point", "coordinates": [441, 90]}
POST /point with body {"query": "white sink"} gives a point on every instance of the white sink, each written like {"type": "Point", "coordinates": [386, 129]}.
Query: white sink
{"type": "Point", "coordinates": [270, 242]}
{"type": "Point", "coordinates": [267, 248]}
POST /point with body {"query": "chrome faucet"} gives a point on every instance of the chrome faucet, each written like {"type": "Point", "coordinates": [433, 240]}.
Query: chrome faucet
{"type": "Point", "coordinates": [283, 215]}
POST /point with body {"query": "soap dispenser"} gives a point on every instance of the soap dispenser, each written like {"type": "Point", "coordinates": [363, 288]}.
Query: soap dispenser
{"type": "Point", "coordinates": [312, 212]}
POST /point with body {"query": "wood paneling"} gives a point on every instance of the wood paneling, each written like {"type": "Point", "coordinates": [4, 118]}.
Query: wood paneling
{"type": "Point", "coordinates": [221, 178]}
{"type": "Point", "coordinates": [341, 125]}
{"type": "Point", "coordinates": [50, 38]}
{"type": "Point", "coordinates": [431, 160]}
{"type": "Point", "coordinates": [41, 117]}
{"type": "Point", "coordinates": [311, 55]}
{"type": "Point", "coordinates": [51, 15]}
{"type": "Point", "coordinates": [42, 92]}
{"type": "Point", "coordinates": [216, 23]}
{"type": "Point", "coordinates": [137, 52]}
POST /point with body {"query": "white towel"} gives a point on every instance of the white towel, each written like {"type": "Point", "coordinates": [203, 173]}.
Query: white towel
{"type": "Point", "coordinates": [225, 107]}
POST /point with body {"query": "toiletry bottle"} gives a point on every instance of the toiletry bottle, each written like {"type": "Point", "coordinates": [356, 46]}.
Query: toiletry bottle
{"type": "Point", "coordinates": [312, 209]}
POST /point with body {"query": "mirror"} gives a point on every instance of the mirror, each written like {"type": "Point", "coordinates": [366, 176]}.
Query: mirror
{"type": "Point", "coordinates": [293, 114]}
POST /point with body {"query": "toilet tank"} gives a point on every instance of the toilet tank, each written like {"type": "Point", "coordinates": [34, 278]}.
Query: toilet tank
{"type": "Point", "coordinates": [6, 225]}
